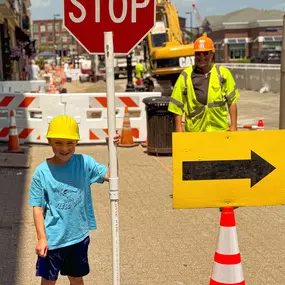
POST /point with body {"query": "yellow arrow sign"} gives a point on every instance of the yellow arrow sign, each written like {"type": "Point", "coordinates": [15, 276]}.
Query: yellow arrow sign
{"type": "Point", "coordinates": [245, 168]}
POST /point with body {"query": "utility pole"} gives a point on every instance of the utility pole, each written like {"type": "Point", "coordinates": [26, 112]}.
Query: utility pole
{"type": "Point", "coordinates": [54, 37]}
{"type": "Point", "coordinates": [130, 85]}
{"type": "Point", "coordinates": [191, 25]}
{"type": "Point", "coordinates": [282, 82]}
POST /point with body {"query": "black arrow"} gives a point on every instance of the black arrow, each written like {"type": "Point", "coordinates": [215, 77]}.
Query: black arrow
{"type": "Point", "coordinates": [255, 169]}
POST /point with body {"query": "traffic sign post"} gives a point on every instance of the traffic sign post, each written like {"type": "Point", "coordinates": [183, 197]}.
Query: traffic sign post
{"type": "Point", "coordinates": [225, 169]}
{"type": "Point", "coordinates": [110, 27]}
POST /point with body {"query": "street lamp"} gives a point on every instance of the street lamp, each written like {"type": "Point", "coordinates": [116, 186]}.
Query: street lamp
{"type": "Point", "coordinates": [191, 31]}
{"type": "Point", "coordinates": [54, 37]}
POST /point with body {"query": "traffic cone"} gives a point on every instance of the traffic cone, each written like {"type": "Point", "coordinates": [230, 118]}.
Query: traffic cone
{"type": "Point", "coordinates": [260, 125]}
{"type": "Point", "coordinates": [227, 268]}
{"type": "Point", "coordinates": [13, 143]}
{"type": "Point", "coordinates": [126, 135]}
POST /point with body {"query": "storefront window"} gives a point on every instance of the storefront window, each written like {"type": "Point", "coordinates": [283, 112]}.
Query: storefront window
{"type": "Point", "coordinates": [237, 51]}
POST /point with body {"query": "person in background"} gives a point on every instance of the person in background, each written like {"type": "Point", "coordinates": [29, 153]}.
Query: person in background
{"type": "Point", "coordinates": [33, 71]}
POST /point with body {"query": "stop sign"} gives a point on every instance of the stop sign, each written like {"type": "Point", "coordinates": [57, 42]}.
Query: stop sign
{"type": "Point", "coordinates": [129, 20]}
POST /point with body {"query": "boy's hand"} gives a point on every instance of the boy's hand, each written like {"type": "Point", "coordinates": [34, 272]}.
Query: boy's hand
{"type": "Point", "coordinates": [116, 140]}
{"type": "Point", "coordinates": [42, 248]}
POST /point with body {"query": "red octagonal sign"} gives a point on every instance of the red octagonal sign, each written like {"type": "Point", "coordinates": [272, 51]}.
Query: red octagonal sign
{"type": "Point", "coordinates": [129, 20]}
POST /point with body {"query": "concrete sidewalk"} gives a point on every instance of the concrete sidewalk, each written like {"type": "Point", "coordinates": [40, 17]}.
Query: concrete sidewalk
{"type": "Point", "coordinates": [159, 245]}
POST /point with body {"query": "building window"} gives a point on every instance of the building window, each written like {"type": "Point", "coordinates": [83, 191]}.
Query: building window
{"type": "Point", "coordinates": [36, 37]}
{"type": "Point", "coordinates": [57, 27]}
{"type": "Point", "coordinates": [49, 27]}
{"type": "Point", "coordinates": [237, 51]}
{"type": "Point", "coordinates": [36, 28]}
{"type": "Point", "coordinates": [73, 40]}
{"type": "Point", "coordinates": [43, 38]}
{"type": "Point", "coordinates": [43, 27]}
{"type": "Point", "coordinates": [57, 38]}
{"type": "Point", "coordinates": [50, 37]}
{"type": "Point", "coordinates": [64, 38]}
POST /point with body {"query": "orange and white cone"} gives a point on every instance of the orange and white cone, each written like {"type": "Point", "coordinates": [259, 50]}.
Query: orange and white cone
{"type": "Point", "coordinates": [227, 269]}
{"type": "Point", "coordinates": [260, 125]}
{"type": "Point", "coordinates": [127, 135]}
{"type": "Point", "coordinates": [13, 143]}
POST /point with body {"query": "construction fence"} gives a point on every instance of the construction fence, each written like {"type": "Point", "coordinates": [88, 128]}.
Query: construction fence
{"type": "Point", "coordinates": [256, 77]}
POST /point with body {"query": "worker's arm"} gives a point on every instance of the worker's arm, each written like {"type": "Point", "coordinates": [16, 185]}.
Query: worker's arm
{"type": "Point", "coordinates": [176, 104]}
{"type": "Point", "coordinates": [178, 123]}
{"type": "Point", "coordinates": [233, 116]}
{"type": "Point", "coordinates": [42, 244]}
{"type": "Point", "coordinates": [232, 95]}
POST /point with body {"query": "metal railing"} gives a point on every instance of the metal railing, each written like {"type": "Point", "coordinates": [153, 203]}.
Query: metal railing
{"type": "Point", "coordinates": [250, 65]}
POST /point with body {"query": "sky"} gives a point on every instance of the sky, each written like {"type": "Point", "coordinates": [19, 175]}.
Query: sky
{"type": "Point", "coordinates": [45, 9]}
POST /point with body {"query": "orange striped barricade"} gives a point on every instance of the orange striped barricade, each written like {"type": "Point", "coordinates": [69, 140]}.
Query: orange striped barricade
{"type": "Point", "coordinates": [90, 111]}
{"type": "Point", "coordinates": [32, 112]}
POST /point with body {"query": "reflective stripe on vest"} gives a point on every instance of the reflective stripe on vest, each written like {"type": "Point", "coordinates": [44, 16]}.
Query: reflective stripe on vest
{"type": "Point", "coordinates": [201, 109]}
{"type": "Point", "coordinates": [185, 91]}
{"type": "Point", "coordinates": [177, 103]}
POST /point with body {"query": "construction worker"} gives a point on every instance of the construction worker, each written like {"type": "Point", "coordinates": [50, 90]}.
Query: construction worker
{"type": "Point", "coordinates": [203, 92]}
{"type": "Point", "coordinates": [139, 70]}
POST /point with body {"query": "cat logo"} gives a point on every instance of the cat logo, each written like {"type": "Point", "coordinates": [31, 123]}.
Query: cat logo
{"type": "Point", "coordinates": [186, 61]}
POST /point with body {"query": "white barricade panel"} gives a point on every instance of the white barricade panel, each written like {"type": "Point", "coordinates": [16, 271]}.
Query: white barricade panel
{"type": "Point", "coordinates": [33, 113]}
{"type": "Point", "coordinates": [90, 111]}
{"type": "Point", "coordinates": [21, 86]}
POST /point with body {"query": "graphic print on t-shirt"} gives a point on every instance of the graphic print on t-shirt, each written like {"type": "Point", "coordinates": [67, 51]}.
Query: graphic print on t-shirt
{"type": "Point", "coordinates": [66, 196]}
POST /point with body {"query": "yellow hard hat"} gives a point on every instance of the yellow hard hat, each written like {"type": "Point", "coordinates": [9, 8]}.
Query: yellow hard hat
{"type": "Point", "coordinates": [63, 127]}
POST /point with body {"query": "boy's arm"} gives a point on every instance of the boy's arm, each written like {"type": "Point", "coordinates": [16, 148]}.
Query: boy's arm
{"type": "Point", "coordinates": [42, 245]}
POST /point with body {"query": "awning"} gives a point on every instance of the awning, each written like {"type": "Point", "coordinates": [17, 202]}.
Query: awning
{"type": "Point", "coordinates": [237, 40]}
{"type": "Point", "coordinates": [262, 39]}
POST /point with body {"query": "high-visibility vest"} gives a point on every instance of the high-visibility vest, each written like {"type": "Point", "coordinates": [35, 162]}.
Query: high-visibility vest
{"type": "Point", "coordinates": [199, 117]}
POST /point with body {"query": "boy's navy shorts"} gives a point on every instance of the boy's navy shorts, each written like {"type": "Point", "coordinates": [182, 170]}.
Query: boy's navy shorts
{"type": "Point", "coordinates": [70, 260]}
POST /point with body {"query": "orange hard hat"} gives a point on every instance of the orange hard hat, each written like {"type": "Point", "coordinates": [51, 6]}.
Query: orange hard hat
{"type": "Point", "coordinates": [204, 44]}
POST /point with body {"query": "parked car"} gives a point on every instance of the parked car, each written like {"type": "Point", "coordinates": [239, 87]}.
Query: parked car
{"type": "Point", "coordinates": [267, 56]}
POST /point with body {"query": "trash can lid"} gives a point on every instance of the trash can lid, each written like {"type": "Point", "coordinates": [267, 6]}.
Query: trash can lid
{"type": "Point", "coordinates": [156, 100]}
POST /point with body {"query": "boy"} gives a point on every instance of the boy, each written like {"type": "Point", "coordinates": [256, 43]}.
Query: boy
{"type": "Point", "coordinates": [62, 205]}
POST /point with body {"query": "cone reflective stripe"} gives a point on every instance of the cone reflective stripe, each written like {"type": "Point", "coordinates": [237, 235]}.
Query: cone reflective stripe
{"type": "Point", "coordinates": [126, 135]}
{"type": "Point", "coordinates": [227, 268]}
{"type": "Point", "coordinates": [13, 143]}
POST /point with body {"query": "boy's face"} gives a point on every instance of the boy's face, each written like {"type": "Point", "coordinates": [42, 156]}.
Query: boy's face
{"type": "Point", "coordinates": [63, 149]}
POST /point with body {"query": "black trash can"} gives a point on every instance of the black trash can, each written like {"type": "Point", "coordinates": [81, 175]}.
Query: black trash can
{"type": "Point", "coordinates": [160, 125]}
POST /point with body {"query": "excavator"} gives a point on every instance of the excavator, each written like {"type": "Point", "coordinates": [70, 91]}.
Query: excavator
{"type": "Point", "coordinates": [168, 53]}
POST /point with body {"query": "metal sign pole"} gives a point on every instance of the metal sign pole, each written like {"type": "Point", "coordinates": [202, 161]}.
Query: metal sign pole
{"type": "Point", "coordinates": [282, 82]}
{"type": "Point", "coordinates": [113, 183]}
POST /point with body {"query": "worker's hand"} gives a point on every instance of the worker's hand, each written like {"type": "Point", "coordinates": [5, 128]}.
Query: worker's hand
{"type": "Point", "coordinates": [42, 248]}
{"type": "Point", "coordinates": [232, 129]}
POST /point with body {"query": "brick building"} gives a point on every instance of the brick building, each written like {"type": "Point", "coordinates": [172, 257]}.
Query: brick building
{"type": "Point", "coordinates": [240, 34]}
{"type": "Point", "coordinates": [51, 36]}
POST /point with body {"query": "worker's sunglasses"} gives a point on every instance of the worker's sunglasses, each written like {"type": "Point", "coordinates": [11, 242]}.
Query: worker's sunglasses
{"type": "Point", "coordinates": [202, 53]}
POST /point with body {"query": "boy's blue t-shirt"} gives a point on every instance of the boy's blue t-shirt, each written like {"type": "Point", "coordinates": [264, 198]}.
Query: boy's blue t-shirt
{"type": "Point", "coordinates": [65, 195]}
